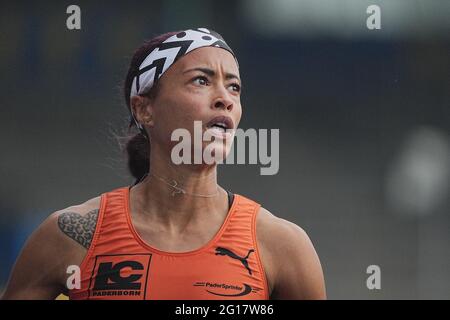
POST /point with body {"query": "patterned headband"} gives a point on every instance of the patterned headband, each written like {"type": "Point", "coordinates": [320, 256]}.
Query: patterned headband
{"type": "Point", "coordinates": [167, 53]}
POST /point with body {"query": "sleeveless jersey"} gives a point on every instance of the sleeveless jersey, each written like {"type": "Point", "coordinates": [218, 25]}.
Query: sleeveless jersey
{"type": "Point", "coordinates": [120, 265]}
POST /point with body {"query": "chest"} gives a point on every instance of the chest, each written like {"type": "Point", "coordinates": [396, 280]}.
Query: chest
{"type": "Point", "coordinates": [196, 239]}
{"type": "Point", "coordinates": [127, 260]}
{"type": "Point", "coordinates": [213, 272]}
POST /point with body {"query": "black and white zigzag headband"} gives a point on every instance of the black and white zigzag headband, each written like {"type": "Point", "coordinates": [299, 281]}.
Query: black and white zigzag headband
{"type": "Point", "coordinates": [167, 53]}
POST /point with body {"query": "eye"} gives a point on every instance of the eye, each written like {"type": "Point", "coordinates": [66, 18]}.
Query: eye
{"type": "Point", "coordinates": [236, 87]}
{"type": "Point", "coordinates": [201, 80]}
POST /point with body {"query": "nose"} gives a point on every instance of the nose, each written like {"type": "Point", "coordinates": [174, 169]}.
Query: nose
{"type": "Point", "coordinates": [223, 101]}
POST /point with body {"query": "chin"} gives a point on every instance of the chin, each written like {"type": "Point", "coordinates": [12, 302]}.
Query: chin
{"type": "Point", "coordinates": [213, 149]}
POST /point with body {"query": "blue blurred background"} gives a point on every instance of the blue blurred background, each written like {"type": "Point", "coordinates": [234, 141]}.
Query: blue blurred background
{"type": "Point", "coordinates": [364, 119]}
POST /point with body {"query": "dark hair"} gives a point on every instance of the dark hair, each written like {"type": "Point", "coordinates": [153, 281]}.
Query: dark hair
{"type": "Point", "coordinates": [138, 145]}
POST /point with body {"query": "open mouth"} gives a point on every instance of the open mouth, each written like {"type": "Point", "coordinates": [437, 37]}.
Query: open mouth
{"type": "Point", "coordinates": [220, 127]}
{"type": "Point", "coordinates": [220, 123]}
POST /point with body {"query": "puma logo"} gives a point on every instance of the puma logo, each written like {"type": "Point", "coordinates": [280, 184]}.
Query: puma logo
{"type": "Point", "coordinates": [225, 252]}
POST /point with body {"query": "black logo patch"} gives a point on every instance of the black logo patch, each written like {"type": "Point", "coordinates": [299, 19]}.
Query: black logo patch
{"type": "Point", "coordinates": [120, 276]}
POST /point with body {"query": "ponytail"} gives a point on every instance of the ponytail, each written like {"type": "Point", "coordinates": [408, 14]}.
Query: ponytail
{"type": "Point", "coordinates": [138, 152]}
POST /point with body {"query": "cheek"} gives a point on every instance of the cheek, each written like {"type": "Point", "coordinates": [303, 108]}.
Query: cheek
{"type": "Point", "coordinates": [238, 113]}
{"type": "Point", "coordinates": [175, 113]}
{"type": "Point", "coordinates": [187, 97]}
{"type": "Point", "coordinates": [189, 105]}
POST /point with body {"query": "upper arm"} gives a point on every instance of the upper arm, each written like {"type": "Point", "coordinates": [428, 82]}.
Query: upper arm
{"type": "Point", "coordinates": [299, 273]}
{"type": "Point", "coordinates": [37, 271]}
{"type": "Point", "coordinates": [60, 241]}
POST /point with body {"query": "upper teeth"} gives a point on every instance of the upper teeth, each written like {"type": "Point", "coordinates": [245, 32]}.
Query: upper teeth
{"type": "Point", "coordinates": [220, 124]}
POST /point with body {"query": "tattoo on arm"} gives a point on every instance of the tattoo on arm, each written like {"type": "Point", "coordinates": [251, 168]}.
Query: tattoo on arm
{"type": "Point", "coordinates": [79, 228]}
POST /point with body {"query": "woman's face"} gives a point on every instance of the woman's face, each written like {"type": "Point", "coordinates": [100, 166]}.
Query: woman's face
{"type": "Point", "coordinates": [200, 86]}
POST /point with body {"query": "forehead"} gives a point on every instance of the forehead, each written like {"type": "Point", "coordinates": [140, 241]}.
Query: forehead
{"type": "Point", "coordinates": [215, 58]}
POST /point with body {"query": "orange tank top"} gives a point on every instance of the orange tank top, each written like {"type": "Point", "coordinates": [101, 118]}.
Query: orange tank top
{"type": "Point", "coordinates": [120, 265]}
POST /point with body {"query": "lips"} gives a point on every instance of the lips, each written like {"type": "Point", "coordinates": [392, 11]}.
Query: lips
{"type": "Point", "coordinates": [223, 122]}
{"type": "Point", "coordinates": [221, 127]}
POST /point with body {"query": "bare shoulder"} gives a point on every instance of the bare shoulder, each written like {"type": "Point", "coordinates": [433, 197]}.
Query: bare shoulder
{"type": "Point", "coordinates": [61, 240]}
{"type": "Point", "coordinates": [286, 233]}
{"type": "Point", "coordinates": [70, 231]}
{"type": "Point", "coordinates": [277, 236]}
{"type": "Point", "coordinates": [280, 239]}
{"type": "Point", "coordinates": [78, 222]}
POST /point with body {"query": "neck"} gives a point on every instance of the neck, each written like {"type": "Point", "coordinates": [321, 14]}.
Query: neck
{"type": "Point", "coordinates": [155, 200]}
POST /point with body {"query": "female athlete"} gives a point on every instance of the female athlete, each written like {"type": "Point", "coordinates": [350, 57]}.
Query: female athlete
{"type": "Point", "coordinates": [175, 233]}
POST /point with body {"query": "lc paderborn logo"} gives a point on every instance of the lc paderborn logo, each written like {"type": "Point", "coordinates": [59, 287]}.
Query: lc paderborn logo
{"type": "Point", "coordinates": [121, 276]}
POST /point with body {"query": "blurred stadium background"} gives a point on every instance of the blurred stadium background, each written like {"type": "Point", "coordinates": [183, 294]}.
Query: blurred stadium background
{"type": "Point", "coordinates": [364, 119]}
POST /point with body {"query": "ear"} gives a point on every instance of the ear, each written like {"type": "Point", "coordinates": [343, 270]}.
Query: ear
{"type": "Point", "coordinates": [142, 109]}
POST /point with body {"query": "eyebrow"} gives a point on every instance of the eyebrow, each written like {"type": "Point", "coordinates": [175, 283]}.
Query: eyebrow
{"type": "Point", "coordinates": [212, 73]}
